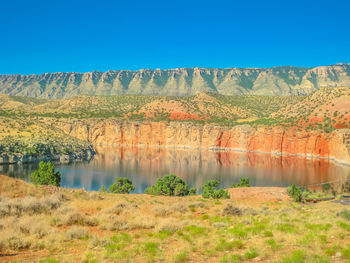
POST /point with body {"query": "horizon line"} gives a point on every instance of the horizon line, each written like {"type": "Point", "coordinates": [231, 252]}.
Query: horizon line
{"type": "Point", "coordinates": [178, 68]}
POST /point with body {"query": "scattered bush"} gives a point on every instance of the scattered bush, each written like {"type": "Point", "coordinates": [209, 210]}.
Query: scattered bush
{"type": "Point", "coordinates": [230, 210]}
{"type": "Point", "coordinates": [170, 225]}
{"type": "Point", "coordinates": [16, 242]}
{"type": "Point", "coordinates": [122, 185]}
{"type": "Point", "coordinates": [74, 218]}
{"type": "Point", "coordinates": [31, 226]}
{"type": "Point", "coordinates": [64, 210]}
{"type": "Point", "coordinates": [144, 222]}
{"type": "Point", "coordinates": [114, 224]}
{"type": "Point", "coordinates": [46, 175]}
{"type": "Point", "coordinates": [296, 192]}
{"type": "Point", "coordinates": [117, 209]}
{"type": "Point", "coordinates": [28, 205]}
{"type": "Point", "coordinates": [77, 233]}
{"type": "Point", "coordinates": [170, 185]}
{"type": "Point", "coordinates": [161, 211]}
{"type": "Point", "coordinates": [179, 207]}
{"type": "Point", "coordinates": [243, 182]}
{"type": "Point", "coordinates": [210, 190]}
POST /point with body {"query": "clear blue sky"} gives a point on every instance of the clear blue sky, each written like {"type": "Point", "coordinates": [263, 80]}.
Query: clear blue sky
{"type": "Point", "coordinates": [39, 36]}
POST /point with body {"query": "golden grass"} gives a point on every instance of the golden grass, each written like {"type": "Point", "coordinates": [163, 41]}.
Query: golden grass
{"type": "Point", "coordinates": [99, 227]}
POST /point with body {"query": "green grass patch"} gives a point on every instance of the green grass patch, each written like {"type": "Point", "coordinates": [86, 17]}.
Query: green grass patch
{"type": "Point", "coordinates": [250, 254]}
{"type": "Point", "coordinates": [181, 257]}
{"type": "Point", "coordinates": [286, 228]}
{"type": "Point", "coordinates": [196, 230]}
{"type": "Point", "coordinates": [298, 256]}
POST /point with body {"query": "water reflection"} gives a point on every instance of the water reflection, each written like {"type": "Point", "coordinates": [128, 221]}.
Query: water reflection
{"type": "Point", "coordinates": [144, 165]}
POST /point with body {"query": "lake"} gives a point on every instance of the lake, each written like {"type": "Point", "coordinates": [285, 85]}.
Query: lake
{"type": "Point", "coordinates": [144, 165]}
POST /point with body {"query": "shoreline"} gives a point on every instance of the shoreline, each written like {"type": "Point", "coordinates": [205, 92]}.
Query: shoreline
{"type": "Point", "coordinates": [84, 155]}
{"type": "Point", "coordinates": [88, 154]}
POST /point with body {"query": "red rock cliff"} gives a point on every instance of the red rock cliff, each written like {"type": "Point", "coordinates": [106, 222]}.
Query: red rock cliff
{"type": "Point", "coordinates": [314, 144]}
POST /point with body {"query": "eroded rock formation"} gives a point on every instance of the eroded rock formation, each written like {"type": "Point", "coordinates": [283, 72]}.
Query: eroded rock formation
{"type": "Point", "coordinates": [276, 140]}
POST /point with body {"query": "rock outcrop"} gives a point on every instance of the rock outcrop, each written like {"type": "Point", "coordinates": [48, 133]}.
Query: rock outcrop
{"type": "Point", "coordinates": [276, 140]}
{"type": "Point", "coordinates": [181, 81]}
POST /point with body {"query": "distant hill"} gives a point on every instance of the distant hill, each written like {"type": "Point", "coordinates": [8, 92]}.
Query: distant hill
{"type": "Point", "coordinates": [277, 81]}
{"type": "Point", "coordinates": [325, 109]}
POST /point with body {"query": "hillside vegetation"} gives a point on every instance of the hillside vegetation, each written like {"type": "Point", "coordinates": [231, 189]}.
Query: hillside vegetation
{"type": "Point", "coordinates": [23, 136]}
{"type": "Point", "coordinates": [327, 108]}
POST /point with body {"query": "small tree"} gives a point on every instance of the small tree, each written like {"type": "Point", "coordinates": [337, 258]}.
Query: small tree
{"type": "Point", "coordinates": [46, 175]}
{"type": "Point", "coordinates": [243, 182]}
{"type": "Point", "coordinates": [295, 192]}
{"type": "Point", "coordinates": [220, 194]}
{"type": "Point", "coordinates": [210, 190]}
{"type": "Point", "coordinates": [168, 185]}
{"type": "Point", "coordinates": [122, 185]}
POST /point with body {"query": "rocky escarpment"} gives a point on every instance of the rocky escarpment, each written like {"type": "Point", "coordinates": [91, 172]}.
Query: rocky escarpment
{"type": "Point", "coordinates": [312, 144]}
{"type": "Point", "coordinates": [181, 81]}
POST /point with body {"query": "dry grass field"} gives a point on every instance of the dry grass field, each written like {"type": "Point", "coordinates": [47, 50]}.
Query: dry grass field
{"type": "Point", "coordinates": [48, 224]}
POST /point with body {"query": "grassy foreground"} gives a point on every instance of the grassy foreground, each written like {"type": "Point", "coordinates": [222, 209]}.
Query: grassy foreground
{"type": "Point", "coordinates": [49, 224]}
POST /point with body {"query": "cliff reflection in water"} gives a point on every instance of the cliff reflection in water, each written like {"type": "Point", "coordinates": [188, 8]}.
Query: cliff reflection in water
{"type": "Point", "coordinates": [144, 165]}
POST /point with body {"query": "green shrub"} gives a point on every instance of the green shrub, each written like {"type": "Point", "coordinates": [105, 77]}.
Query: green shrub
{"type": "Point", "coordinates": [122, 185]}
{"type": "Point", "coordinates": [297, 193]}
{"type": "Point", "coordinates": [168, 185]}
{"type": "Point", "coordinates": [192, 191]}
{"type": "Point", "coordinates": [210, 190]}
{"type": "Point", "coordinates": [221, 194]}
{"type": "Point", "coordinates": [46, 175]}
{"type": "Point", "coordinates": [243, 182]}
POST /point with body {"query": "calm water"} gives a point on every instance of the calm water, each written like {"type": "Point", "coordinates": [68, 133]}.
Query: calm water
{"type": "Point", "coordinates": [144, 165]}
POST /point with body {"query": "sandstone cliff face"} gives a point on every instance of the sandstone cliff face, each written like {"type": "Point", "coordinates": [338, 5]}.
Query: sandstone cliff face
{"type": "Point", "coordinates": [313, 144]}
{"type": "Point", "coordinates": [181, 81]}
